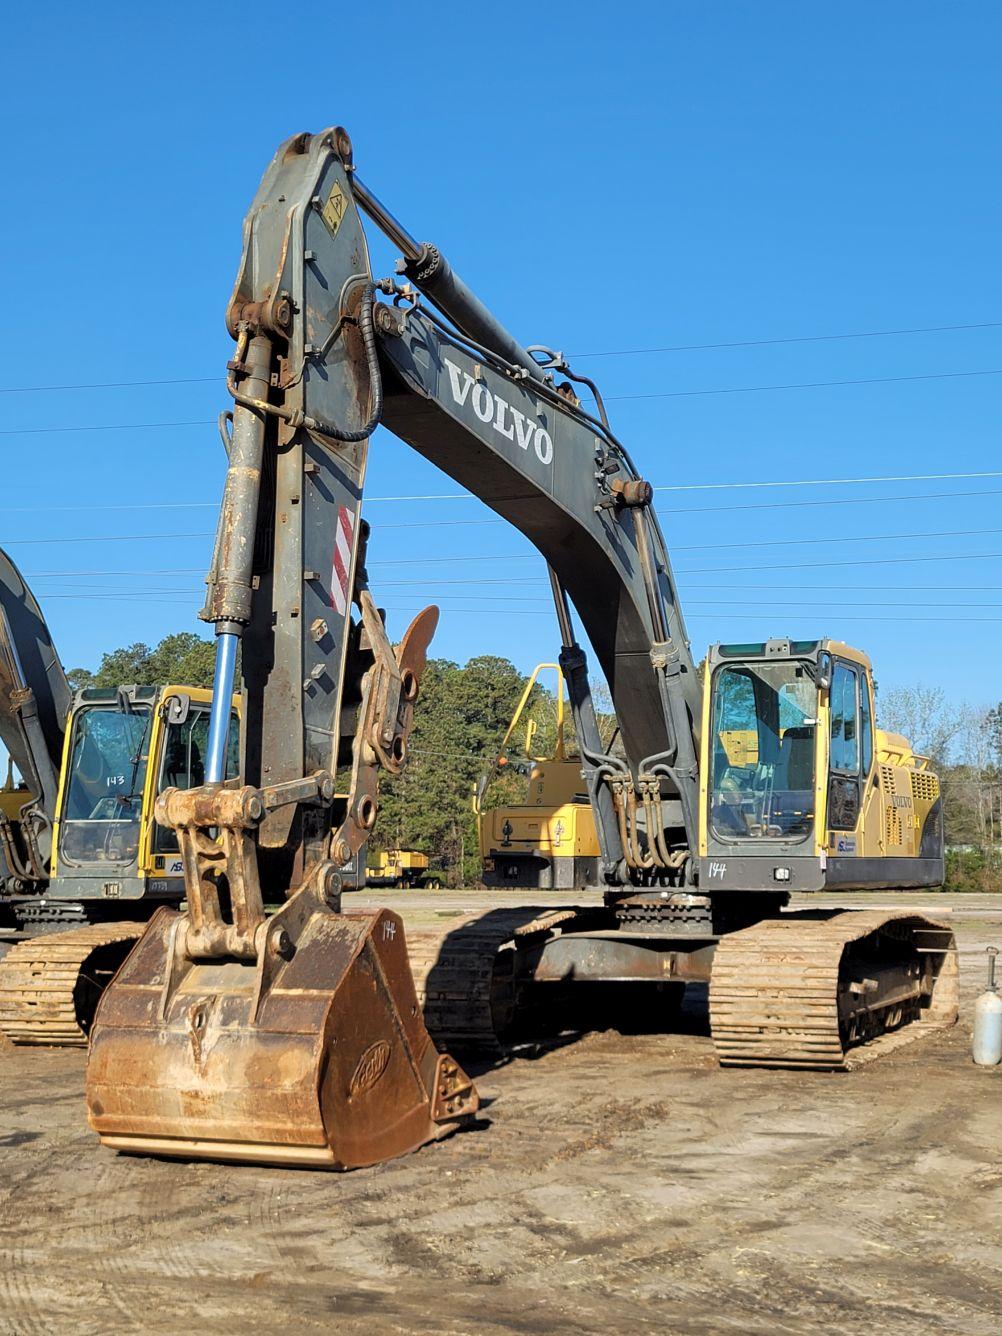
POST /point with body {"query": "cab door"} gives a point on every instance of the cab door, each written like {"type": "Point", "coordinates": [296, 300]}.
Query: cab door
{"type": "Point", "coordinates": [871, 830]}
{"type": "Point", "coordinates": [845, 768]}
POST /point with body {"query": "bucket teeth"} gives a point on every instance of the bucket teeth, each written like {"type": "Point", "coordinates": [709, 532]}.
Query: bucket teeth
{"type": "Point", "coordinates": [319, 1057]}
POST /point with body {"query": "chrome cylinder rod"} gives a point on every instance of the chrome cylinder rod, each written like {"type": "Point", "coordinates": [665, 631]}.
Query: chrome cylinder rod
{"type": "Point", "coordinates": [222, 695]}
{"type": "Point", "coordinates": [385, 220]}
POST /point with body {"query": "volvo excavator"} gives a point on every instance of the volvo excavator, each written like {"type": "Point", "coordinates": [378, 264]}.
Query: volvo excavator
{"type": "Point", "coordinates": [83, 862]}
{"type": "Point", "coordinates": [296, 1037]}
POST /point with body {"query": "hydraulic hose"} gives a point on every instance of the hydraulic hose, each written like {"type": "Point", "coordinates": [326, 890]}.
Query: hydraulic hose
{"type": "Point", "coordinates": [296, 418]}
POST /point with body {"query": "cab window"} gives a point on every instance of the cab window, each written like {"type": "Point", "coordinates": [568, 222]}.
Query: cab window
{"type": "Point", "coordinates": [106, 774]}
{"type": "Point", "coordinates": [865, 726]}
{"type": "Point", "coordinates": [762, 750]}
{"type": "Point", "coordinates": [183, 764]}
{"type": "Point", "coordinates": [844, 720]}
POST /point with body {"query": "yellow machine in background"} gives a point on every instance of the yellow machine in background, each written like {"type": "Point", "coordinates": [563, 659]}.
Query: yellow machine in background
{"type": "Point", "coordinates": [549, 841]}
{"type": "Point", "coordinates": [400, 867]}
{"type": "Point", "coordinates": [112, 863]}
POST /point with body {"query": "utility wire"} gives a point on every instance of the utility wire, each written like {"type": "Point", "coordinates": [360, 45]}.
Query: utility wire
{"type": "Point", "coordinates": [750, 505]}
{"type": "Point", "coordinates": [129, 384]}
{"type": "Point", "coordinates": [832, 501]}
{"type": "Point", "coordinates": [609, 398]}
{"type": "Point", "coordinates": [819, 482]}
{"type": "Point", "coordinates": [803, 338]}
{"type": "Point", "coordinates": [608, 352]}
{"type": "Point", "coordinates": [515, 556]}
{"type": "Point", "coordinates": [826, 607]}
{"type": "Point", "coordinates": [707, 616]}
{"type": "Point", "coordinates": [460, 524]}
{"type": "Point", "coordinates": [843, 616]}
{"type": "Point", "coordinates": [695, 547]}
{"type": "Point", "coordinates": [719, 570]}
{"type": "Point", "coordinates": [729, 586]}
{"type": "Point", "coordinates": [801, 385]}
{"type": "Point", "coordinates": [139, 505]}
{"type": "Point", "coordinates": [104, 538]}
{"type": "Point", "coordinates": [732, 486]}
{"type": "Point", "coordinates": [661, 487]}
{"type": "Point", "coordinates": [105, 426]}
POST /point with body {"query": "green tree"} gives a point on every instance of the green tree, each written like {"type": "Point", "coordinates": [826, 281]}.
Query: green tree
{"type": "Point", "coordinates": [183, 658]}
{"type": "Point", "coordinates": [460, 719]}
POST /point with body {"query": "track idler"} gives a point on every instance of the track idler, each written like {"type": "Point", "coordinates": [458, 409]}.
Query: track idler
{"type": "Point", "coordinates": [314, 1054]}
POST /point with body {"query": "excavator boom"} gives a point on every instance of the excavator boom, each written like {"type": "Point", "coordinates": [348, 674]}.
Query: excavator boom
{"type": "Point", "coordinates": [35, 699]}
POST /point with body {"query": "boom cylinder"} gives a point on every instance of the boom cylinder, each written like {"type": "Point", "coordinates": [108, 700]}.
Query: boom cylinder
{"type": "Point", "coordinates": [428, 269]}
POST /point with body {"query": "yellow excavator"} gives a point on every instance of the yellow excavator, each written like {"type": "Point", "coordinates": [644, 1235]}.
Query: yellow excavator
{"type": "Point", "coordinates": [402, 868]}
{"type": "Point", "coordinates": [83, 861]}
{"type": "Point", "coordinates": [296, 1037]}
{"type": "Point", "coordinates": [549, 841]}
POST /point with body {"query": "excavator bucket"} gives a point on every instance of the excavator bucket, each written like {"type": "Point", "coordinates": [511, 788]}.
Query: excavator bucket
{"type": "Point", "coordinates": [315, 1054]}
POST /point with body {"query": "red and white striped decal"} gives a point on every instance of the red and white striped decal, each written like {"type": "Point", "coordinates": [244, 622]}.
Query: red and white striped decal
{"type": "Point", "coordinates": [340, 593]}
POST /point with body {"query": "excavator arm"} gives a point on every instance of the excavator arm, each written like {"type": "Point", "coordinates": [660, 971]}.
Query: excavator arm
{"type": "Point", "coordinates": [320, 362]}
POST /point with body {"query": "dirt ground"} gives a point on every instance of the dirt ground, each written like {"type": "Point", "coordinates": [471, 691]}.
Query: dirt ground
{"type": "Point", "coordinates": [614, 1183]}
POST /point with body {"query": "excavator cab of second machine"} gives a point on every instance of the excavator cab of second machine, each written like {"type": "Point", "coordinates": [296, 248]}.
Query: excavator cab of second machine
{"type": "Point", "coordinates": [124, 746]}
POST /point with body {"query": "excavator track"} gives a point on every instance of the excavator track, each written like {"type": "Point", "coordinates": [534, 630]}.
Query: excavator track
{"type": "Point", "coordinates": [466, 976]}
{"type": "Point", "coordinates": [50, 985]}
{"type": "Point", "coordinates": [805, 991]}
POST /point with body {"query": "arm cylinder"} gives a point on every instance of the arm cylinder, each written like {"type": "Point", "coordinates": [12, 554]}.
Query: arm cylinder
{"type": "Point", "coordinates": [230, 588]}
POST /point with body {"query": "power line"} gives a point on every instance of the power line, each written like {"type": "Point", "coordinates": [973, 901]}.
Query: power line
{"type": "Point", "coordinates": [162, 570]}
{"type": "Point", "coordinates": [106, 426]}
{"type": "Point", "coordinates": [843, 615]}
{"type": "Point", "coordinates": [526, 556]}
{"type": "Point", "coordinates": [791, 505]}
{"type": "Point", "coordinates": [744, 588]}
{"type": "Point", "coordinates": [731, 486]}
{"type": "Point", "coordinates": [762, 611]}
{"type": "Point", "coordinates": [706, 616]}
{"type": "Point", "coordinates": [836, 538]}
{"type": "Point", "coordinates": [459, 524]}
{"type": "Point", "coordinates": [607, 352]}
{"type": "Point", "coordinates": [120, 384]}
{"type": "Point", "coordinates": [695, 547]}
{"type": "Point", "coordinates": [819, 482]}
{"type": "Point", "coordinates": [609, 398]}
{"type": "Point", "coordinates": [103, 538]}
{"type": "Point", "coordinates": [720, 570]}
{"type": "Point", "coordinates": [139, 505]}
{"type": "Point", "coordinates": [870, 561]}
{"type": "Point", "coordinates": [803, 338]}
{"type": "Point", "coordinates": [468, 496]}
{"type": "Point", "coordinates": [801, 385]}
{"type": "Point", "coordinates": [431, 584]}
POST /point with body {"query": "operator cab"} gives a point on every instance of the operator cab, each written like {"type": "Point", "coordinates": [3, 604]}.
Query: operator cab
{"type": "Point", "coordinates": [124, 747]}
{"type": "Point", "coordinates": [799, 791]}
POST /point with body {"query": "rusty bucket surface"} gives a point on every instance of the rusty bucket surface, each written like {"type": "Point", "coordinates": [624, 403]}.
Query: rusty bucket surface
{"type": "Point", "coordinates": [316, 1054]}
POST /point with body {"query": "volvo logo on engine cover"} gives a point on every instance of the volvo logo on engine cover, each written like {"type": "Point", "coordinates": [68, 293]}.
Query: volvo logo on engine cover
{"type": "Point", "coordinates": [506, 421]}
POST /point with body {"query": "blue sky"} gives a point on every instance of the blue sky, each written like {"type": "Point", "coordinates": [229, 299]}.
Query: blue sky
{"type": "Point", "coordinates": [660, 175]}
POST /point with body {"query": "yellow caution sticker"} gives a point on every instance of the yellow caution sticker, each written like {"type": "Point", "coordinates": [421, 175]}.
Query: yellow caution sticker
{"type": "Point", "coordinates": [333, 210]}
